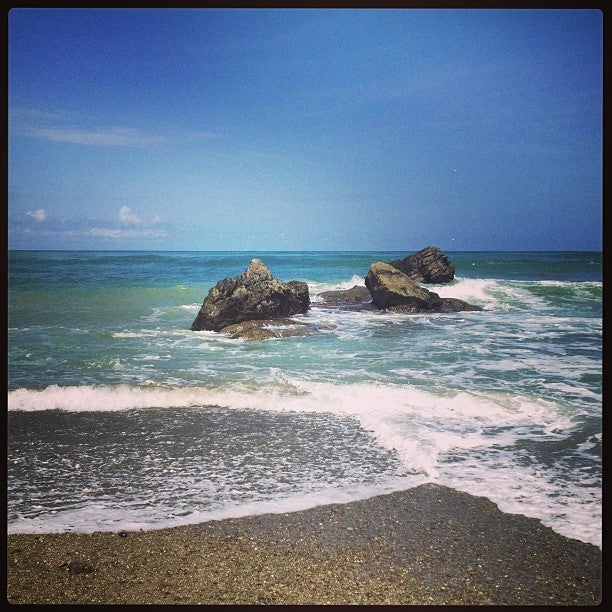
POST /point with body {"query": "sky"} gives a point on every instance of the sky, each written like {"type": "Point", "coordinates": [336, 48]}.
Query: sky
{"type": "Point", "coordinates": [305, 129]}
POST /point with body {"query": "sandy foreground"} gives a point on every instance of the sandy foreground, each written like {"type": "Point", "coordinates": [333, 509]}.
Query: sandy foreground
{"type": "Point", "coordinates": [428, 545]}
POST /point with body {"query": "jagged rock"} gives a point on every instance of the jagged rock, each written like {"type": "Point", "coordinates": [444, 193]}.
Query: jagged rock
{"type": "Point", "coordinates": [430, 265]}
{"type": "Point", "coordinates": [355, 295]}
{"type": "Point", "coordinates": [393, 290]}
{"type": "Point", "coordinates": [390, 287]}
{"type": "Point", "coordinates": [253, 295]}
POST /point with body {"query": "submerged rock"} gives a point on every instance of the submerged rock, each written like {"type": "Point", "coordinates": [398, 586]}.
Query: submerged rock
{"type": "Point", "coordinates": [263, 329]}
{"type": "Point", "coordinates": [358, 294]}
{"type": "Point", "coordinates": [392, 290]}
{"type": "Point", "coordinates": [429, 265]}
{"type": "Point", "coordinates": [253, 295]}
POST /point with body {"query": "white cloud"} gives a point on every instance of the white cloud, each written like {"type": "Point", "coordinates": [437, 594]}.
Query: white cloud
{"type": "Point", "coordinates": [135, 226]}
{"type": "Point", "coordinates": [46, 126]}
{"type": "Point", "coordinates": [128, 217]}
{"type": "Point", "coordinates": [40, 215]}
{"type": "Point", "coordinates": [109, 137]}
{"type": "Point", "coordinates": [109, 232]}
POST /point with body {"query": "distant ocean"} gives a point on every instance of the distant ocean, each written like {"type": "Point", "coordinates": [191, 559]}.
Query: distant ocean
{"type": "Point", "coordinates": [120, 417]}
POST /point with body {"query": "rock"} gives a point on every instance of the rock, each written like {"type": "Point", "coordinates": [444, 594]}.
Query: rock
{"type": "Point", "coordinates": [389, 287]}
{"type": "Point", "coordinates": [455, 305]}
{"type": "Point", "coordinates": [266, 328]}
{"type": "Point", "coordinates": [78, 567]}
{"type": "Point", "coordinates": [355, 295]}
{"type": "Point", "coordinates": [253, 295]}
{"type": "Point", "coordinates": [263, 329]}
{"type": "Point", "coordinates": [393, 290]}
{"type": "Point", "coordinates": [430, 265]}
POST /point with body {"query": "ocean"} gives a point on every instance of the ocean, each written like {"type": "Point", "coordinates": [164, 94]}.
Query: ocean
{"type": "Point", "coordinates": [121, 418]}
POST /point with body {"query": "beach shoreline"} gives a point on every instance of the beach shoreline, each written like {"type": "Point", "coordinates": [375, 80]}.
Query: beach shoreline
{"type": "Point", "coordinates": [427, 545]}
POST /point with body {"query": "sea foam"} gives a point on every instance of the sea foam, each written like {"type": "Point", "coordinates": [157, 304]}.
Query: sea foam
{"type": "Point", "coordinates": [423, 429]}
{"type": "Point", "coordinates": [416, 424]}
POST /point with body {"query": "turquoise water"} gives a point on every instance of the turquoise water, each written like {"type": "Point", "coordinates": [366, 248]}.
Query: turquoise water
{"type": "Point", "coordinates": [121, 417]}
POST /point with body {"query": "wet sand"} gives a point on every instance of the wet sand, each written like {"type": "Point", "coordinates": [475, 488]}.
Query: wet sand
{"type": "Point", "coordinates": [428, 545]}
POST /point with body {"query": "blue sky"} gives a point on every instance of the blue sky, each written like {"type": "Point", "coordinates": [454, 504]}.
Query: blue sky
{"type": "Point", "coordinates": [313, 129]}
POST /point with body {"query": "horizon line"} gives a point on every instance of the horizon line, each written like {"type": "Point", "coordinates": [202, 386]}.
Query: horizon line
{"type": "Point", "coordinates": [301, 250]}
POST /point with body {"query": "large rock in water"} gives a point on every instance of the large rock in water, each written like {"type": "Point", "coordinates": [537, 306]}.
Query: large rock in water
{"type": "Point", "coordinates": [255, 294]}
{"type": "Point", "coordinates": [393, 290]}
{"type": "Point", "coordinates": [430, 265]}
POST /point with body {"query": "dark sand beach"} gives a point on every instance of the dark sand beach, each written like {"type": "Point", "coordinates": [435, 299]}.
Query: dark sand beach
{"type": "Point", "coordinates": [428, 545]}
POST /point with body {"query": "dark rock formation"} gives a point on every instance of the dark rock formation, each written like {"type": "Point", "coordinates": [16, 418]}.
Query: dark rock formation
{"type": "Point", "coordinates": [430, 265]}
{"type": "Point", "coordinates": [393, 290]}
{"type": "Point", "coordinates": [355, 295]}
{"type": "Point", "coordinates": [253, 295]}
{"type": "Point", "coordinates": [263, 329]}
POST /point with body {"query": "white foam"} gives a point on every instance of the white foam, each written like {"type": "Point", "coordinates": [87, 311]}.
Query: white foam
{"type": "Point", "coordinates": [477, 291]}
{"type": "Point", "coordinates": [575, 284]}
{"type": "Point", "coordinates": [100, 399]}
{"type": "Point", "coordinates": [315, 288]}
{"type": "Point", "coordinates": [113, 517]}
{"type": "Point", "coordinates": [150, 333]}
{"type": "Point", "coordinates": [397, 414]}
{"type": "Point", "coordinates": [566, 506]}
{"type": "Point", "coordinates": [574, 390]}
{"type": "Point", "coordinates": [491, 294]}
{"type": "Point", "coordinates": [420, 427]}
